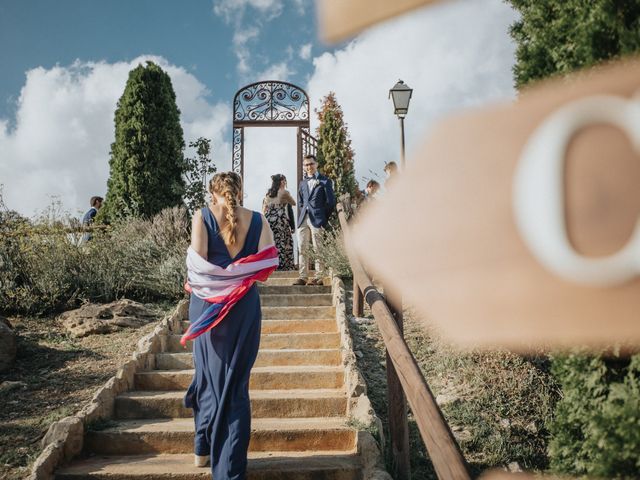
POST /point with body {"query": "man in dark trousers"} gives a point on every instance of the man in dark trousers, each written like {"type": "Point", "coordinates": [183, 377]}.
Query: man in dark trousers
{"type": "Point", "coordinates": [316, 201]}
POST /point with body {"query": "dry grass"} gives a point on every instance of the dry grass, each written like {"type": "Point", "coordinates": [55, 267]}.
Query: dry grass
{"type": "Point", "coordinates": [497, 403]}
{"type": "Point", "coordinates": [60, 374]}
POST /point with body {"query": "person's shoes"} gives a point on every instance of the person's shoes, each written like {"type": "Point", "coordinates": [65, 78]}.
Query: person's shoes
{"type": "Point", "coordinates": [315, 281]}
{"type": "Point", "coordinates": [201, 460]}
{"type": "Point", "coordinates": [300, 281]}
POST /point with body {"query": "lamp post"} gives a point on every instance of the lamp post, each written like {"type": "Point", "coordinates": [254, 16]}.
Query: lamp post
{"type": "Point", "coordinates": [396, 401]}
{"type": "Point", "coordinates": [401, 95]}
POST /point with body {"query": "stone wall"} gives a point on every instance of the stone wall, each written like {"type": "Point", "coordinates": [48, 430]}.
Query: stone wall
{"type": "Point", "coordinates": [360, 410]}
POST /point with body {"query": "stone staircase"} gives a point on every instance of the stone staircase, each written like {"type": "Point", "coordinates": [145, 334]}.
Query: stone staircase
{"type": "Point", "coordinates": [298, 401]}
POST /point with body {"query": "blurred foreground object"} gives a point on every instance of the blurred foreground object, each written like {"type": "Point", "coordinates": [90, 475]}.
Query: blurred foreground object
{"type": "Point", "coordinates": [451, 244]}
{"type": "Point", "coordinates": [340, 19]}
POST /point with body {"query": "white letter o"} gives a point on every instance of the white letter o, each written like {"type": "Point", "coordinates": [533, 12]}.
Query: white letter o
{"type": "Point", "coordinates": [538, 192]}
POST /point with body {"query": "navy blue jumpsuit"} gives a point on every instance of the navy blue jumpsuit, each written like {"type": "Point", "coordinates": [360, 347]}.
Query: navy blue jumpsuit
{"type": "Point", "coordinates": [223, 358]}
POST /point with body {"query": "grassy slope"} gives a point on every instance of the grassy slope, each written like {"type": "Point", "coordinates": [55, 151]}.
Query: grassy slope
{"type": "Point", "coordinates": [60, 374]}
{"type": "Point", "coordinates": [496, 403]}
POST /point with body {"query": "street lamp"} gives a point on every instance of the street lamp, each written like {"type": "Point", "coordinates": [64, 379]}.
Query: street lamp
{"type": "Point", "coordinates": [401, 95]}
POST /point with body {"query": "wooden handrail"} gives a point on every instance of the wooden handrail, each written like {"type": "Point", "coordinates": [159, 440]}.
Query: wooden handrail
{"type": "Point", "coordinates": [442, 447]}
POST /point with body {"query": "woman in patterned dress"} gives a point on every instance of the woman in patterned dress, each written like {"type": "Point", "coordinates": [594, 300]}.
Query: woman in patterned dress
{"type": "Point", "coordinates": [277, 208]}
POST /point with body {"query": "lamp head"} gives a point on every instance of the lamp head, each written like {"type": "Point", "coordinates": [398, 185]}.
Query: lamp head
{"type": "Point", "coordinates": [401, 95]}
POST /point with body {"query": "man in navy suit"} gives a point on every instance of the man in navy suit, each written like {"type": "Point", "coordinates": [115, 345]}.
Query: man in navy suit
{"type": "Point", "coordinates": [316, 202]}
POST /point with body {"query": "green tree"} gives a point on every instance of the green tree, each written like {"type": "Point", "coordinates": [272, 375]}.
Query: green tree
{"type": "Point", "coordinates": [147, 162]}
{"type": "Point", "coordinates": [198, 169]}
{"type": "Point", "coordinates": [335, 155]}
{"type": "Point", "coordinates": [595, 426]}
{"type": "Point", "coordinates": [557, 37]}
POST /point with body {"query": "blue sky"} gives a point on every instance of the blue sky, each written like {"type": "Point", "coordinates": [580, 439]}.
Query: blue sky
{"type": "Point", "coordinates": [65, 63]}
{"type": "Point", "coordinates": [189, 33]}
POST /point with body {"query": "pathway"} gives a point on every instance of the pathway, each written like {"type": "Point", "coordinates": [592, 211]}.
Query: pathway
{"type": "Point", "coordinates": [298, 400]}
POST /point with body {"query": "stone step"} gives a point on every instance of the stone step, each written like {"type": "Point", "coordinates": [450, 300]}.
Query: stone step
{"type": "Point", "coordinates": [262, 378]}
{"type": "Point", "coordinates": [293, 289]}
{"type": "Point", "coordinates": [262, 466]}
{"type": "Point", "coordinates": [290, 313]}
{"type": "Point", "coordinates": [284, 357]}
{"type": "Point", "coordinates": [297, 300]}
{"type": "Point", "coordinates": [293, 326]}
{"type": "Point", "coordinates": [283, 281]}
{"type": "Point", "coordinates": [300, 326]}
{"type": "Point", "coordinates": [264, 404]}
{"type": "Point", "coordinates": [300, 340]}
{"type": "Point", "coordinates": [136, 437]}
{"type": "Point", "coordinates": [293, 274]}
{"type": "Point", "coordinates": [276, 341]}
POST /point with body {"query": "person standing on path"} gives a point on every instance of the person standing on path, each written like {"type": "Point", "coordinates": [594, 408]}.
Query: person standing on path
{"type": "Point", "coordinates": [316, 202]}
{"type": "Point", "coordinates": [231, 248]}
{"type": "Point", "coordinates": [391, 170]}
{"type": "Point", "coordinates": [277, 208]}
{"type": "Point", "coordinates": [87, 219]}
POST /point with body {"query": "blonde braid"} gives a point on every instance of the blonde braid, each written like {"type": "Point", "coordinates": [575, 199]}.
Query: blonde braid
{"type": "Point", "coordinates": [229, 186]}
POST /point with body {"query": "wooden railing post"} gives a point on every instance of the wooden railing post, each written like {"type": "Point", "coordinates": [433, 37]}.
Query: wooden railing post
{"type": "Point", "coordinates": [396, 401]}
{"type": "Point", "coordinates": [358, 300]}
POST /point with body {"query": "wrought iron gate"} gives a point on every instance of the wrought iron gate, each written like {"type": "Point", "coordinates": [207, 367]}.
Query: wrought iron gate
{"type": "Point", "coordinates": [271, 104]}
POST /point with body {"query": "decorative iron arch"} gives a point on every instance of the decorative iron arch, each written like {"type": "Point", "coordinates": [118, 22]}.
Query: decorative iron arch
{"type": "Point", "coordinates": [271, 103]}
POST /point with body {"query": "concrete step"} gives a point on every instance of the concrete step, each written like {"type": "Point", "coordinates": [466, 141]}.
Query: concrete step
{"type": "Point", "coordinates": [264, 404]}
{"type": "Point", "coordinates": [293, 326]}
{"type": "Point", "coordinates": [290, 313]}
{"type": "Point", "coordinates": [262, 466]}
{"type": "Point", "coordinates": [297, 300]}
{"type": "Point", "coordinates": [181, 361]}
{"type": "Point", "coordinates": [275, 341]}
{"type": "Point", "coordinates": [293, 289]}
{"type": "Point", "coordinates": [136, 437]}
{"type": "Point", "coordinates": [262, 378]}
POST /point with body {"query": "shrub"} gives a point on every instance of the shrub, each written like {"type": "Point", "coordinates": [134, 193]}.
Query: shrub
{"type": "Point", "coordinates": [596, 429]}
{"type": "Point", "coordinates": [45, 269]}
{"type": "Point", "coordinates": [331, 253]}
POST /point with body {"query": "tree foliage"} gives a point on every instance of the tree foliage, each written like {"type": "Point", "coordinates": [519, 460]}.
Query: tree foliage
{"type": "Point", "coordinates": [557, 37]}
{"type": "Point", "coordinates": [335, 155]}
{"type": "Point", "coordinates": [198, 169]}
{"type": "Point", "coordinates": [147, 162]}
{"type": "Point", "coordinates": [596, 428]}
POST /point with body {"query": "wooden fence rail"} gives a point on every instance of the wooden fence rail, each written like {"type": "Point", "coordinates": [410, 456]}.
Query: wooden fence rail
{"type": "Point", "coordinates": [443, 450]}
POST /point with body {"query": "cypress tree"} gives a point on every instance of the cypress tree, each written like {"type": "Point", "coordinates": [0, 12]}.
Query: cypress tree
{"type": "Point", "coordinates": [335, 155]}
{"type": "Point", "coordinates": [595, 427]}
{"type": "Point", "coordinates": [147, 161]}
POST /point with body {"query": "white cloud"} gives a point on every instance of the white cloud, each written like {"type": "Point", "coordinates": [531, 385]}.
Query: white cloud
{"type": "Point", "coordinates": [241, 38]}
{"type": "Point", "coordinates": [301, 6]}
{"type": "Point", "coordinates": [454, 55]}
{"type": "Point", "coordinates": [279, 71]}
{"type": "Point", "coordinates": [64, 128]}
{"type": "Point", "coordinates": [235, 12]}
{"type": "Point", "coordinates": [305, 51]}
{"type": "Point", "coordinates": [268, 151]}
